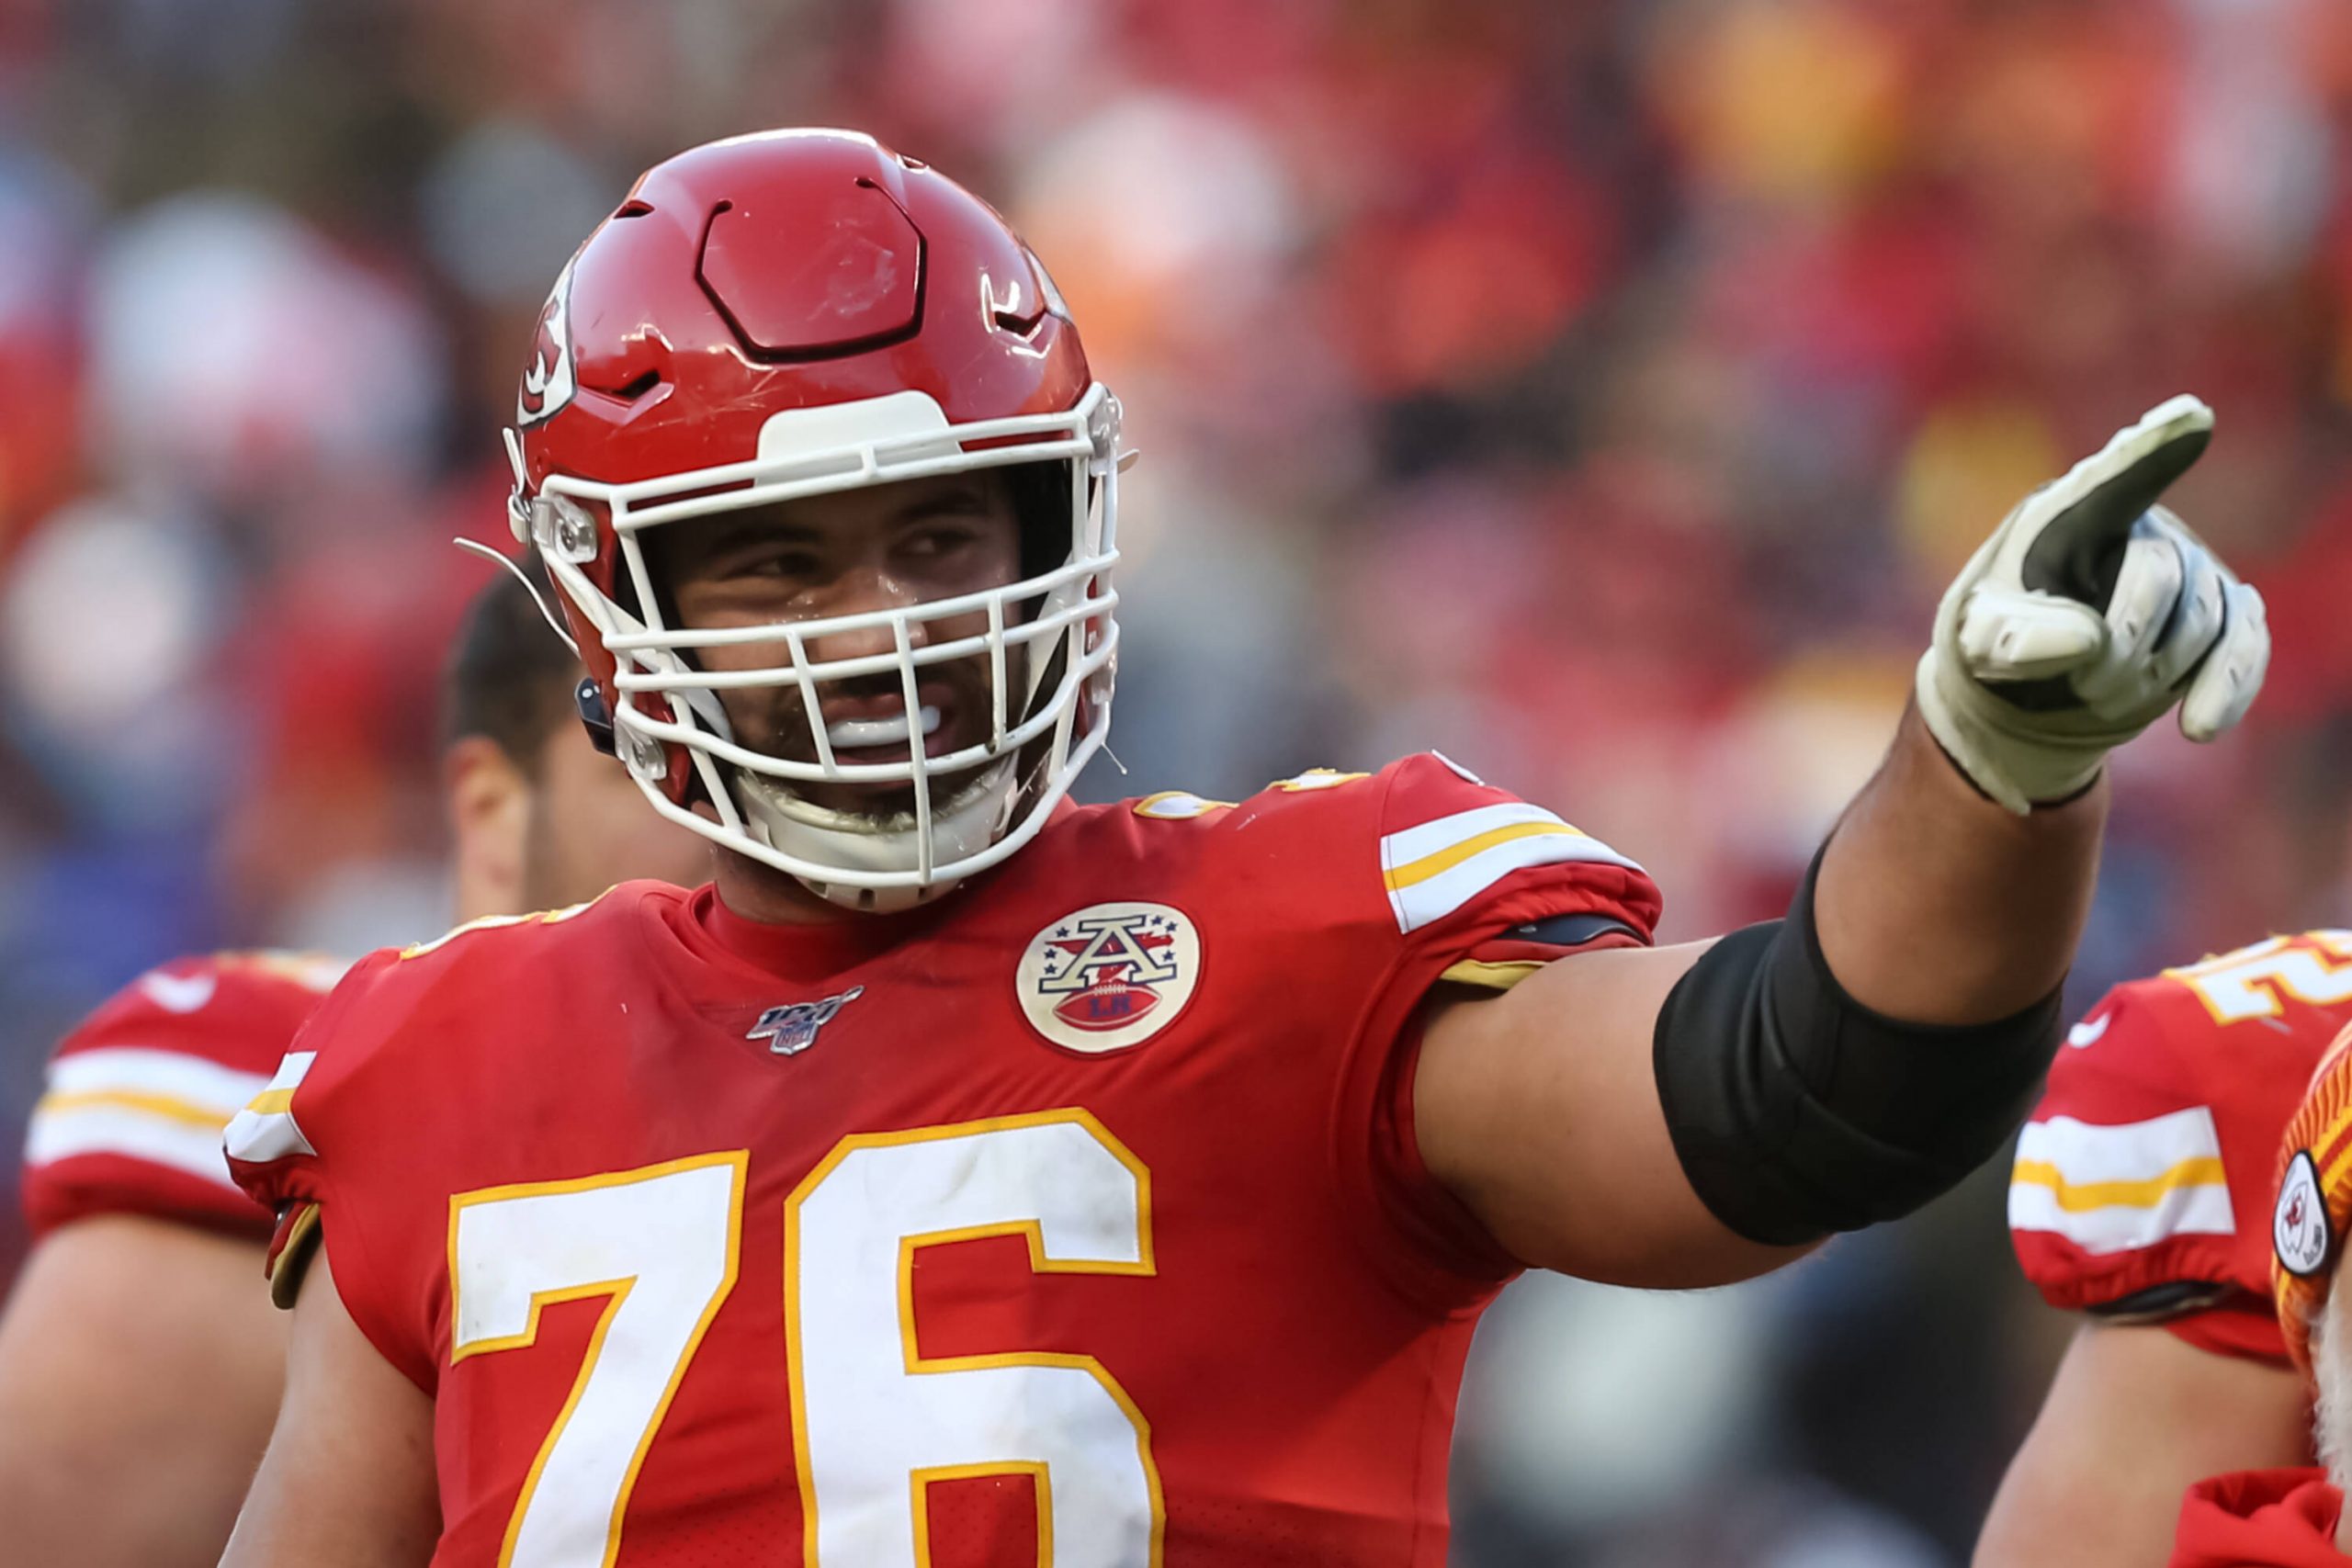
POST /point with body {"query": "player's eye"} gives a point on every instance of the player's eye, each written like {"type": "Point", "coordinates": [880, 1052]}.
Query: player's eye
{"type": "Point", "coordinates": [789, 563]}
{"type": "Point", "coordinates": [938, 542]}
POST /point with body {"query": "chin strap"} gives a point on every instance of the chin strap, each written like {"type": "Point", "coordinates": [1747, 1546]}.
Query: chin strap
{"type": "Point", "coordinates": [966, 824]}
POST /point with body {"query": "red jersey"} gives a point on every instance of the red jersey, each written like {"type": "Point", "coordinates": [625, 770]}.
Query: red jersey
{"type": "Point", "coordinates": [2142, 1186]}
{"type": "Point", "coordinates": [1076, 1217]}
{"type": "Point", "coordinates": [2266, 1518]}
{"type": "Point", "coordinates": [139, 1095]}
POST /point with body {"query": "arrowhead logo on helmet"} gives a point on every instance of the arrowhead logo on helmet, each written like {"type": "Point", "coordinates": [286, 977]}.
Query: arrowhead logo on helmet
{"type": "Point", "coordinates": [550, 379]}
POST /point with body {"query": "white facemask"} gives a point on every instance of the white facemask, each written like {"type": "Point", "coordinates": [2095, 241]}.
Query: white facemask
{"type": "Point", "coordinates": [1050, 646]}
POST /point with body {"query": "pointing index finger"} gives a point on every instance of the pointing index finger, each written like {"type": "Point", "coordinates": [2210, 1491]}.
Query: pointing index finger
{"type": "Point", "coordinates": [2078, 551]}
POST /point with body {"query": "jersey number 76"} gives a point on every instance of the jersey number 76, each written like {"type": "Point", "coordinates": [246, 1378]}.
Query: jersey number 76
{"type": "Point", "coordinates": [874, 1423]}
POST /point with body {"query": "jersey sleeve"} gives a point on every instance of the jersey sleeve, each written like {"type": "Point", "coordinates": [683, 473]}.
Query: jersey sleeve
{"type": "Point", "coordinates": [2141, 1188]}
{"type": "Point", "coordinates": [320, 1148]}
{"type": "Point", "coordinates": [137, 1098]}
{"type": "Point", "coordinates": [1482, 888]}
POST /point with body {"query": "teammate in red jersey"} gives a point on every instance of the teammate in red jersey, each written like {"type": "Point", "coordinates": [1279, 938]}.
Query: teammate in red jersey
{"type": "Point", "coordinates": [128, 1434]}
{"type": "Point", "coordinates": [2142, 1198]}
{"type": "Point", "coordinates": [968, 1177]}
{"type": "Point", "coordinates": [2292, 1515]}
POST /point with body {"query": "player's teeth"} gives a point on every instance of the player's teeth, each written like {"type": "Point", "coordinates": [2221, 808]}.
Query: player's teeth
{"type": "Point", "coordinates": [853, 734]}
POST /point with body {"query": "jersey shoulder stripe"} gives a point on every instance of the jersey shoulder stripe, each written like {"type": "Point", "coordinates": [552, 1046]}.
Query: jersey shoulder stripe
{"type": "Point", "coordinates": [136, 1098]}
{"type": "Point", "coordinates": [164, 1107]}
{"type": "Point", "coordinates": [2123, 1186]}
{"type": "Point", "coordinates": [1436, 867]}
{"type": "Point", "coordinates": [129, 1074]}
{"type": "Point", "coordinates": [265, 1130]}
{"type": "Point", "coordinates": [56, 1135]}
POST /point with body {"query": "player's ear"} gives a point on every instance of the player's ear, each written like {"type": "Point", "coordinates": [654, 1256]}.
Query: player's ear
{"type": "Point", "coordinates": [489, 804]}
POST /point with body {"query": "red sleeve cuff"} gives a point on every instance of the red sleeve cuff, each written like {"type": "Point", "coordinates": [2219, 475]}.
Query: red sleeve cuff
{"type": "Point", "coordinates": [88, 1187]}
{"type": "Point", "coordinates": [2241, 1327]}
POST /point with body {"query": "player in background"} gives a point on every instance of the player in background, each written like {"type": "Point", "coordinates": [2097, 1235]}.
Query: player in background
{"type": "Point", "coordinates": [2291, 1514]}
{"type": "Point", "coordinates": [139, 1368]}
{"type": "Point", "coordinates": [970, 1177]}
{"type": "Point", "coordinates": [2141, 1199]}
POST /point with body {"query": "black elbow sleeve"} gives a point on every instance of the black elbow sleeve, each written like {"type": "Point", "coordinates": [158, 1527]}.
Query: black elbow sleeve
{"type": "Point", "coordinates": [1796, 1111]}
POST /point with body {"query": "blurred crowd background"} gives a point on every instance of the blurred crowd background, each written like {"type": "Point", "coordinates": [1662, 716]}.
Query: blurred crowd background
{"type": "Point", "coordinates": [1600, 393]}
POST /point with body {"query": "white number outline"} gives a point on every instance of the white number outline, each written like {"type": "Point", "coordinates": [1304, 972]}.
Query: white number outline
{"type": "Point", "coordinates": [918, 1481]}
{"type": "Point", "coordinates": [617, 1290]}
{"type": "Point", "coordinates": [2281, 967]}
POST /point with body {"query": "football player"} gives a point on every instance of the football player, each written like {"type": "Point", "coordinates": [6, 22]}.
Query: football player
{"type": "Point", "coordinates": [136, 1376]}
{"type": "Point", "coordinates": [2141, 1199]}
{"type": "Point", "coordinates": [968, 1176]}
{"type": "Point", "coordinates": [2291, 1515]}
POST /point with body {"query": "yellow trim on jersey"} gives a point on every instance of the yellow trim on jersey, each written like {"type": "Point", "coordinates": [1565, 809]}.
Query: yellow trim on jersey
{"type": "Point", "coordinates": [617, 1292]}
{"type": "Point", "coordinates": [492, 922]}
{"type": "Point", "coordinates": [2080, 1197]}
{"type": "Point", "coordinates": [169, 1108]}
{"type": "Point", "coordinates": [2333, 1176]}
{"type": "Point", "coordinates": [1041, 1484]}
{"type": "Point", "coordinates": [293, 1260]}
{"type": "Point", "coordinates": [2256, 981]}
{"type": "Point", "coordinates": [271, 1102]}
{"type": "Point", "coordinates": [1492, 977]}
{"type": "Point", "coordinates": [1445, 860]}
{"type": "Point", "coordinates": [1146, 1264]}
{"type": "Point", "coordinates": [1313, 779]}
{"type": "Point", "coordinates": [1177, 806]}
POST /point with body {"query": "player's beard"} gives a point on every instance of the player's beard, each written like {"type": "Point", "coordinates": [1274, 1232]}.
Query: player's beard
{"type": "Point", "coordinates": [2331, 1343]}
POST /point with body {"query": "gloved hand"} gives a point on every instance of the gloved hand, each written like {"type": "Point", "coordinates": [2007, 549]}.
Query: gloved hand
{"type": "Point", "coordinates": [2089, 611]}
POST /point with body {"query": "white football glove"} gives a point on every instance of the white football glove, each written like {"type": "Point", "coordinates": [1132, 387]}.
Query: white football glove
{"type": "Point", "coordinates": [2088, 613]}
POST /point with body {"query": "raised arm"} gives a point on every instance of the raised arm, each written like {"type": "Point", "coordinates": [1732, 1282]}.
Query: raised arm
{"type": "Point", "coordinates": [1691, 1115]}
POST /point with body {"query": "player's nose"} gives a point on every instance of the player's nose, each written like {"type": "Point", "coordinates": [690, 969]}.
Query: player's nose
{"type": "Point", "coordinates": [870, 597]}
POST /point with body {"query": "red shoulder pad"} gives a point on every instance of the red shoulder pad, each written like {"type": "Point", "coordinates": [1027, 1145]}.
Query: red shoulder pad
{"type": "Point", "coordinates": [1420, 873]}
{"type": "Point", "coordinates": [2148, 1166]}
{"type": "Point", "coordinates": [356, 1062]}
{"type": "Point", "coordinates": [1462, 862]}
{"type": "Point", "coordinates": [1426, 852]}
{"type": "Point", "coordinates": [137, 1097]}
{"type": "Point", "coordinates": [350, 1129]}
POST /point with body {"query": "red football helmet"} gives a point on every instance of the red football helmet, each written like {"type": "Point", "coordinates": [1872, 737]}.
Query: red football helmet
{"type": "Point", "coordinates": [785, 314]}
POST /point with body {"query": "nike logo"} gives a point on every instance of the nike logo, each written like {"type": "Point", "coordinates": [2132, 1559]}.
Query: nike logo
{"type": "Point", "coordinates": [180, 993]}
{"type": "Point", "coordinates": [2087, 1031]}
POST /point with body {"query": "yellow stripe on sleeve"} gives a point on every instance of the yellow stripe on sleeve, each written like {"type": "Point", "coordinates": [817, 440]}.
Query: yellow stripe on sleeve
{"type": "Point", "coordinates": [272, 1102]}
{"type": "Point", "coordinates": [1445, 859]}
{"type": "Point", "coordinates": [1489, 976]}
{"type": "Point", "coordinates": [2080, 1197]}
{"type": "Point", "coordinates": [169, 1108]}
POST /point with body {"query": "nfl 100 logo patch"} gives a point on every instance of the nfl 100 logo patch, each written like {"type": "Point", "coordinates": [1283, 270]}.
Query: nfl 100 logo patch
{"type": "Point", "coordinates": [792, 1028]}
{"type": "Point", "coordinates": [1110, 975]}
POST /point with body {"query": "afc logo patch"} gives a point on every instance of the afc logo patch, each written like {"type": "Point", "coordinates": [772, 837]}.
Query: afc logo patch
{"type": "Point", "coordinates": [1110, 975]}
